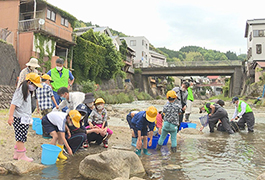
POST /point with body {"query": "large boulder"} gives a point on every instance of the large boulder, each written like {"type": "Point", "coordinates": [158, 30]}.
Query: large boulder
{"type": "Point", "coordinates": [261, 177]}
{"type": "Point", "coordinates": [112, 164]}
{"type": "Point", "coordinates": [21, 167]}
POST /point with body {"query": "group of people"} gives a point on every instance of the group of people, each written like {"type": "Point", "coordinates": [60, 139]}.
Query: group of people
{"type": "Point", "coordinates": [71, 119]}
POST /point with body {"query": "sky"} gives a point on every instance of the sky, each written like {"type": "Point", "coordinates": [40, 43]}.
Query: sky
{"type": "Point", "coordinates": [216, 25]}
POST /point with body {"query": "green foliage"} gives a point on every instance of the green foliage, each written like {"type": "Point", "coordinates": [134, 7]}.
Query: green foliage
{"type": "Point", "coordinates": [142, 95]}
{"type": "Point", "coordinates": [115, 98]}
{"type": "Point", "coordinates": [123, 50]}
{"type": "Point", "coordinates": [137, 71]}
{"type": "Point", "coordinates": [88, 86]}
{"type": "Point", "coordinates": [95, 58]}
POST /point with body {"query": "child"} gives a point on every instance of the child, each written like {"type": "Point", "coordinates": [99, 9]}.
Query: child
{"type": "Point", "coordinates": [45, 97]}
{"type": "Point", "coordinates": [20, 113]}
{"type": "Point", "coordinates": [171, 121]}
{"type": "Point", "coordinates": [98, 118]}
{"type": "Point", "coordinates": [54, 123]}
{"type": "Point", "coordinates": [140, 122]}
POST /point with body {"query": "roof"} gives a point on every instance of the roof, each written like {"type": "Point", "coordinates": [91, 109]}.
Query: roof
{"type": "Point", "coordinates": [253, 22]}
{"type": "Point", "coordinates": [156, 53]}
{"type": "Point", "coordinates": [213, 77]}
{"type": "Point", "coordinates": [260, 63]}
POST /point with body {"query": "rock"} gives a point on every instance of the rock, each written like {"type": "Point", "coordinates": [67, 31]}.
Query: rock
{"type": "Point", "coordinates": [3, 171]}
{"type": "Point", "coordinates": [119, 147]}
{"type": "Point", "coordinates": [172, 167]}
{"type": "Point", "coordinates": [261, 177]}
{"type": "Point", "coordinates": [136, 178]}
{"type": "Point", "coordinates": [21, 167]}
{"type": "Point", "coordinates": [111, 164]}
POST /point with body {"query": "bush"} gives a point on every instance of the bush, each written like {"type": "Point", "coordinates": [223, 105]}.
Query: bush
{"type": "Point", "coordinates": [88, 86]}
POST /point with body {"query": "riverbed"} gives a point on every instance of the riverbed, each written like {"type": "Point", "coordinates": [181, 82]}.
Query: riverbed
{"type": "Point", "coordinates": [207, 156]}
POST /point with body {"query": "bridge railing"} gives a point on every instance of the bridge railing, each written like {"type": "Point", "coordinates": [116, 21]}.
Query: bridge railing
{"type": "Point", "coordinates": [206, 63]}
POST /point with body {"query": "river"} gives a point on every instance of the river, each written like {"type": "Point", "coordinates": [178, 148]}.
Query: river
{"type": "Point", "coordinates": [209, 156]}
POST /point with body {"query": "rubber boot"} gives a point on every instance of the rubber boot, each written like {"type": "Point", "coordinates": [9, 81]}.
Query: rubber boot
{"type": "Point", "coordinates": [134, 140]}
{"type": "Point", "coordinates": [21, 154]}
{"type": "Point", "coordinates": [61, 155]}
{"type": "Point", "coordinates": [138, 152]}
{"type": "Point", "coordinates": [146, 152]}
{"type": "Point", "coordinates": [187, 116]}
{"type": "Point", "coordinates": [158, 148]}
{"type": "Point", "coordinates": [15, 153]}
{"type": "Point", "coordinates": [174, 149]}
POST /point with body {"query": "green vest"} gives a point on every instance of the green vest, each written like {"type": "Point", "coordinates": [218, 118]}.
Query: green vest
{"type": "Point", "coordinates": [59, 81]}
{"type": "Point", "coordinates": [248, 108]}
{"type": "Point", "coordinates": [207, 109]}
{"type": "Point", "coordinates": [190, 95]}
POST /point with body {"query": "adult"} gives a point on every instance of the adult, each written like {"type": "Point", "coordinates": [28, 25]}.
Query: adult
{"type": "Point", "coordinates": [89, 102]}
{"type": "Point", "coordinates": [31, 68]}
{"type": "Point", "coordinates": [190, 100]}
{"type": "Point", "coordinates": [216, 113]}
{"type": "Point", "coordinates": [244, 113]}
{"type": "Point", "coordinates": [70, 99]}
{"type": "Point", "coordinates": [62, 77]}
{"type": "Point", "coordinates": [181, 100]}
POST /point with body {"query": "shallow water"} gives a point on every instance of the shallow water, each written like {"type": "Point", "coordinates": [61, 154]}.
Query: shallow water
{"type": "Point", "coordinates": [210, 156]}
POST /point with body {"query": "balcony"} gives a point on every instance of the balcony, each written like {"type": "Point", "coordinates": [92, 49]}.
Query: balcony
{"type": "Point", "coordinates": [47, 28]}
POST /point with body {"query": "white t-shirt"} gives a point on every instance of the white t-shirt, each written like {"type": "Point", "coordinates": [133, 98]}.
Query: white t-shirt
{"type": "Point", "coordinates": [57, 119]}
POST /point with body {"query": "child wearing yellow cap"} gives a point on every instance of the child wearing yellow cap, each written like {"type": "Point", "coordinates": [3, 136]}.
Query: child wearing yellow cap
{"type": "Point", "coordinates": [140, 122]}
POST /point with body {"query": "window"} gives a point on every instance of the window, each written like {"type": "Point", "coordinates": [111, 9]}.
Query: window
{"type": "Point", "coordinates": [258, 48]}
{"type": "Point", "coordinates": [133, 43]}
{"type": "Point", "coordinates": [64, 22]}
{"type": "Point", "coordinates": [250, 36]}
{"type": "Point", "coordinates": [258, 33]}
{"type": "Point", "coordinates": [51, 15]}
{"type": "Point", "coordinates": [143, 42]}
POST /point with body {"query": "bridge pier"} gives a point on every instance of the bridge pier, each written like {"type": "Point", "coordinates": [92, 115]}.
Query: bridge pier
{"type": "Point", "coordinates": [236, 80]}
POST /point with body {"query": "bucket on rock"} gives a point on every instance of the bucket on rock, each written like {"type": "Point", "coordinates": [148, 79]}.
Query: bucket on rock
{"type": "Point", "coordinates": [49, 154]}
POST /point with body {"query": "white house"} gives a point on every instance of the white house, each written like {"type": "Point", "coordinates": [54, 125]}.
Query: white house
{"type": "Point", "coordinates": [255, 34]}
{"type": "Point", "coordinates": [157, 59]}
{"type": "Point", "coordinates": [141, 46]}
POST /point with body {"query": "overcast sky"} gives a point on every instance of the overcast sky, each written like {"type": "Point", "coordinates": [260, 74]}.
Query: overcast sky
{"type": "Point", "coordinates": [217, 25]}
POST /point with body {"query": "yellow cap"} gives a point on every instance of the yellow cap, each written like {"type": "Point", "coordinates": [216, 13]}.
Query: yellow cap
{"type": "Point", "coordinates": [34, 78]}
{"type": "Point", "coordinates": [99, 100]}
{"type": "Point", "coordinates": [171, 94]}
{"type": "Point", "coordinates": [76, 117]}
{"type": "Point", "coordinates": [47, 77]}
{"type": "Point", "coordinates": [151, 114]}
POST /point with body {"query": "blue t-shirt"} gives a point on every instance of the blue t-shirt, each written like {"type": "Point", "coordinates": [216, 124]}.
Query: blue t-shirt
{"type": "Point", "coordinates": [140, 121]}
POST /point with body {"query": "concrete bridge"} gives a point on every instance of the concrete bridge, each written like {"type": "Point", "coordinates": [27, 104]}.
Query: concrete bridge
{"type": "Point", "coordinates": [201, 68]}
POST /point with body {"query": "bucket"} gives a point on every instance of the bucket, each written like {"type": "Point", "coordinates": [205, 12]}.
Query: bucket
{"type": "Point", "coordinates": [49, 154]}
{"type": "Point", "coordinates": [192, 125]}
{"type": "Point", "coordinates": [154, 142]}
{"type": "Point", "coordinates": [35, 121]}
{"type": "Point", "coordinates": [38, 127]}
{"type": "Point", "coordinates": [166, 140]}
{"type": "Point", "coordinates": [183, 125]}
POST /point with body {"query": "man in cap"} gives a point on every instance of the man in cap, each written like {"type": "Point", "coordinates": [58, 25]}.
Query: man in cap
{"type": "Point", "coordinates": [140, 122]}
{"type": "Point", "coordinates": [182, 95]}
{"type": "Point", "coordinates": [31, 67]}
{"type": "Point", "coordinates": [244, 113]}
{"type": "Point", "coordinates": [89, 102]}
{"type": "Point", "coordinates": [62, 77]}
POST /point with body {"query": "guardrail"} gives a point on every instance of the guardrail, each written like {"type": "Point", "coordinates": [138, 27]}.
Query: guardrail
{"type": "Point", "coordinates": [206, 63]}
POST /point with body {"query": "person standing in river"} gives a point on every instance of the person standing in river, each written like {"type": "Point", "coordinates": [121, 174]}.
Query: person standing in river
{"type": "Point", "coordinates": [190, 100]}
{"type": "Point", "coordinates": [244, 113]}
{"type": "Point", "coordinates": [182, 95]}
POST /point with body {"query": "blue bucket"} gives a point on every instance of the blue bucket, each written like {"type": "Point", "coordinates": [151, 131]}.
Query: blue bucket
{"type": "Point", "coordinates": [35, 121]}
{"type": "Point", "coordinates": [49, 154]}
{"type": "Point", "coordinates": [183, 125]}
{"type": "Point", "coordinates": [38, 127]}
{"type": "Point", "coordinates": [154, 142]}
{"type": "Point", "coordinates": [166, 140]}
{"type": "Point", "coordinates": [192, 125]}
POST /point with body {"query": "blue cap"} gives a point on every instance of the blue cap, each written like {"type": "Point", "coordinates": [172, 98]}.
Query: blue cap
{"type": "Point", "coordinates": [234, 99]}
{"type": "Point", "coordinates": [81, 108]}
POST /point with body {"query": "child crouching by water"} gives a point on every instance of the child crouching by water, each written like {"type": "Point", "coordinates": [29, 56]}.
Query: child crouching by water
{"type": "Point", "coordinates": [98, 119]}
{"type": "Point", "coordinates": [20, 113]}
{"type": "Point", "coordinates": [171, 112]}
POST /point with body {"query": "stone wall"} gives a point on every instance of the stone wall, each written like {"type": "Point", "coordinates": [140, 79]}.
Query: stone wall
{"type": "Point", "coordinates": [6, 94]}
{"type": "Point", "coordinates": [9, 68]}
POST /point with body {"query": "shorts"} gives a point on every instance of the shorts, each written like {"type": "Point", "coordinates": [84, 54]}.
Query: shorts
{"type": "Point", "coordinates": [143, 131]}
{"type": "Point", "coordinates": [21, 130]}
{"type": "Point", "coordinates": [48, 126]}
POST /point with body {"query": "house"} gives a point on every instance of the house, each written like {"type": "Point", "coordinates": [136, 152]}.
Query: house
{"type": "Point", "coordinates": [141, 46]}
{"type": "Point", "coordinates": [259, 67]}
{"type": "Point", "coordinates": [157, 59]}
{"type": "Point", "coordinates": [39, 30]}
{"type": "Point", "coordinates": [128, 68]}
